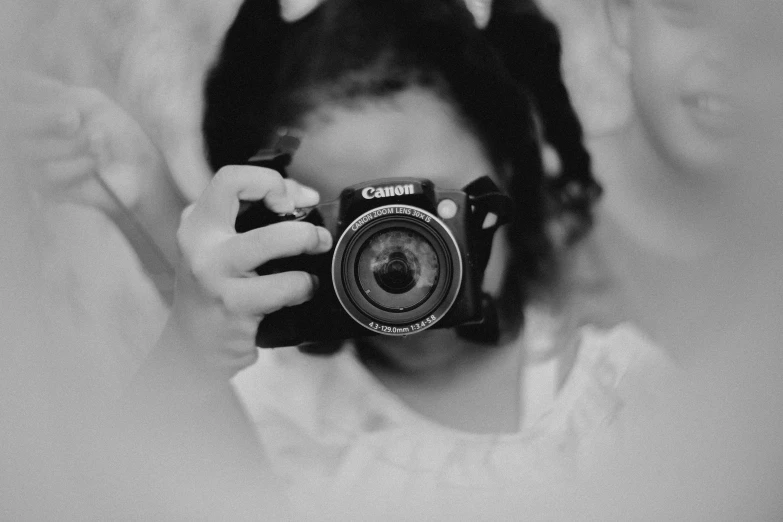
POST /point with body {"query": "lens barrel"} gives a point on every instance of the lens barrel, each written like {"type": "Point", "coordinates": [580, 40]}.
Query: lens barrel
{"type": "Point", "coordinates": [397, 269]}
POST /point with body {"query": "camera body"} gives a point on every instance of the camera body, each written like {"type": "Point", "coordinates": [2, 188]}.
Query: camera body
{"type": "Point", "coordinates": [406, 257]}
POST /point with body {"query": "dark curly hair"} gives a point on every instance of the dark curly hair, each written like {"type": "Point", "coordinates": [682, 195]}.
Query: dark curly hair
{"type": "Point", "coordinates": [272, 74]}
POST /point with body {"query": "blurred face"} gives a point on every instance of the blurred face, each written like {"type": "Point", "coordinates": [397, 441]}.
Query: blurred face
{"type": "Point", "coordinates": [703, 75]}
{"type": "Point", "coordinates": [415, 134]}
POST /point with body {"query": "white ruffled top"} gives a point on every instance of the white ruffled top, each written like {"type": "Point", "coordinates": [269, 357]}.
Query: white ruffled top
{"type": "Point", "coordinates": [335, 434]}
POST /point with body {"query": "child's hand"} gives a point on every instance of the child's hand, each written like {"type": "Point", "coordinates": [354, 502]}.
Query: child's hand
{"type": "Point", "coordinates": [219, 299]}
{"type": "Point", "coordinates": [71, 135]}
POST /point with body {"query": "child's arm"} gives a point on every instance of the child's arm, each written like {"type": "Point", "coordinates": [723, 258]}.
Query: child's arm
{"type": "Point", "coordinates": [219, 298]}
{"type": "Point", "coordinates": [181, 408]}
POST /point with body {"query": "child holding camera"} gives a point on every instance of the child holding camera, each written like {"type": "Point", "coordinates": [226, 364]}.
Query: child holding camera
{"type": "Point", "coordinates": [390, 90]}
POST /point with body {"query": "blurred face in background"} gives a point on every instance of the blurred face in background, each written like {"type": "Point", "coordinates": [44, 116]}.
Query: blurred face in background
{"type": "Point", "coordinates": [706, 78]}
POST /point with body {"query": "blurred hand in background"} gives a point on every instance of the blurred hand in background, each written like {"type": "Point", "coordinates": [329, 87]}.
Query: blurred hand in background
{"type": "Point", "coordinates": [73, 135]}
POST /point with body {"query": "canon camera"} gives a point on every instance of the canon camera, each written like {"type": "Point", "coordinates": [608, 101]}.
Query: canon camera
{"type": "Point", "coordinates": [407, 256]}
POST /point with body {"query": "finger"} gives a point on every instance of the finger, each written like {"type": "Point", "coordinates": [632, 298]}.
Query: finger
{"type": "Point", "coordinates": [46, 150]}
{"type": "Point", "coordinates": [57, 120]}
{"type": "Point", "coordinates": [91, 194]}
{"type": "Point", "coordinates": [186, 212]}
{"type": "Point", "coordinates": [301, 195]}
{"type": "Point", "coordinates": [262, 295]}
{"type": "Point", "coordinates": [88, 190]}
{"type": "Point", "coordinates": [219, 203]}
{"type": "Point", "coordinates": [245, 252]}
{"type": "Point", "coordinates": [66, 174]}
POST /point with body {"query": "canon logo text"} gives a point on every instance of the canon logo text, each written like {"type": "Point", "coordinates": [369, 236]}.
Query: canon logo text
{"type": "Point", "coordinates": [385, 192]}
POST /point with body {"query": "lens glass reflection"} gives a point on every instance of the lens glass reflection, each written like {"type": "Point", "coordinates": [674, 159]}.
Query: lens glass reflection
{"type": "Point", "coordinates": [397, 269]}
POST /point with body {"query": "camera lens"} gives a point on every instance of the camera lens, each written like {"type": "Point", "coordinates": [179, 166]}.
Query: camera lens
{"type": "Point", "coordinates": [396, 274]}
{"type": "Point", "coordinates": [397, 268]}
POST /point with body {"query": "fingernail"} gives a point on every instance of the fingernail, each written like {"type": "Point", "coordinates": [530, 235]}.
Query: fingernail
{"type": "Point", "coordinates": [287, 207]}
{"type": "Point", "coordinates": [316, 282]}
{"type": "Point", "coordinates": [324, 237]}
{"type": "Point", "coordinates": [310, 193]}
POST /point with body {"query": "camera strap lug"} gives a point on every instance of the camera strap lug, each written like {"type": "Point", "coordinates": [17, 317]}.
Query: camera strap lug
{"type": "Point", "coordinates": [486, 200]}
